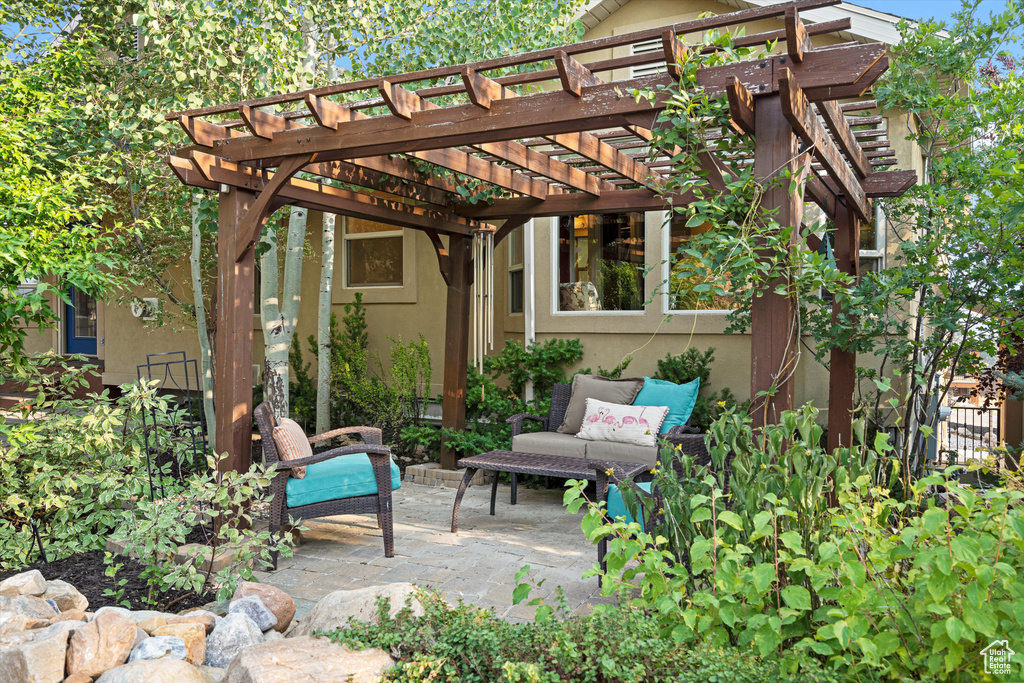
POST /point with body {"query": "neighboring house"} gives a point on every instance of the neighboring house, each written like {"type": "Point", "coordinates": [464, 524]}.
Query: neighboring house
{"type": "Point", "coordinates": [555, 277]}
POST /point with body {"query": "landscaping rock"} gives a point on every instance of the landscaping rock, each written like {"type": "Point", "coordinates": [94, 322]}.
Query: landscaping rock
{"type": "Point", "coordinates": [158, 647]}
{"type": "Point", "coordinates": [126, 613]}
{"type": "Point", "coordinates": [193, 635]}
{"type": "Point", "coordinates": [140, 636]}
{"type": "Point", "coordinates": [273, 635]}
{"type": "Point", "coordinates": [275, 599]}
{"type": "Point", "coordinates": [39, 660]}
{"type": "Point", "coordinates": [309, 660]}
{"type": "Point", "coordinates": [70, 615]}
{"type": "Point", "coordinates": [155, 671]}
{"type": "Point", "coordinates": [12, 622]}
{"type": "Point", "coordinates": [52, 603]}
{"type": "Point", "coordinates": [29, 606]}
{"type": "Point", "coordinates": [334, 609]}
{"type": "Point", "coordinates": [25, 583]}
{"type": "Point", "coordinates": [209, 621]}
{"type": "Point", "coordinates": [152, 624]}
{"type": "Point", "coordinates": [219, 608]}
{"type": "Point", "coordinates": [78, 678]}
{"type": "Point", "coordinates": [65, 595]}
{"type": "Point", "coordinates": [213, 673]}
{"type": "Point", "coordinates": [235, 632]}
{"type": "Point", "coordinates": [103, 643]}
{"type": "Point", "coordinates": [254, 608]}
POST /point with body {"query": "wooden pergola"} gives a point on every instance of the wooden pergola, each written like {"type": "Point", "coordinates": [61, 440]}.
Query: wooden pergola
{"type": "Point", "coordinates": [556, 139]}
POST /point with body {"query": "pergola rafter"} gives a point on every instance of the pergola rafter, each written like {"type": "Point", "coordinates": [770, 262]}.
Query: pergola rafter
{"type": "Point", "coordinates": [576, 144]}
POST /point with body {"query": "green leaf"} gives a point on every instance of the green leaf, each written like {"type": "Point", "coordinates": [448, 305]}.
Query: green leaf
{"type": "Point", "coordinates": [731, 518]}
{"type": "Point", "coordinates": [763, 576]}
{"type": "Point", "coordinates": [797, 597]}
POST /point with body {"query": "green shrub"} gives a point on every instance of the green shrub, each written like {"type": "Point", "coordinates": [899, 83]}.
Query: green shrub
{"type": "Point", "coordinates": [873, 587]}
{"type": "Point", "coordinates": [690, 365]}
{"type": "Point", "coordinates": [75, 466]}
{"type": "Point", "coordinates": [468, 644]}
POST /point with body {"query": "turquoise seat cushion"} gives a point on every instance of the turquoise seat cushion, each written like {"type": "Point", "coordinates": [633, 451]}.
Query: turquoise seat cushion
{"type": "Point", "coordinates": [680, 399]}
{"type": "Point", "coordinates": [346, 476]}
{"type": "Point", "coordinates": [617, 507]}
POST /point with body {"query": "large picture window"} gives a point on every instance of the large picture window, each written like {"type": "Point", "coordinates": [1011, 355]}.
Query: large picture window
{"type": "Point", "coordinates": [601, 262]}
{"type": "Point", "coordinates": [373, 254]}
{"type": "Point", "coordinates": [681, 283]}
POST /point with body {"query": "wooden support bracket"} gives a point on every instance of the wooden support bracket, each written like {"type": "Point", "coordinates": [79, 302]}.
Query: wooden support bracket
{"type": "Point", "coordinates": [444, 261]}
{"type": "Point", "coordinates": [263, 124]}
{"type": "Point", "coordinates": [482, 90]}
{"type": "Point", "coordinates": [328, 114]}
{"type": "Point", "coordinates": [400, 101]}
{"type": "Point", "coordinates": [205, 133]}
{"type": "Point", "coordinates": [251, 224]}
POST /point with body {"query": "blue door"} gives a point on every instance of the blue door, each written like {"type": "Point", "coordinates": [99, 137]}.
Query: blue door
{"type": "Point", "coordinates": [80, 331]}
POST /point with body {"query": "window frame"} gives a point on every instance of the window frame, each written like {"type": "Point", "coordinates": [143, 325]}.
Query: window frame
{"type": "Point", "coordinates": [555, 282]}
{"type": "Point", "coordinates": [346, 269]}
{"type": "Point", "coordinates": [666, 273]}
{"type": "Point", "coordinates": [514, 267]}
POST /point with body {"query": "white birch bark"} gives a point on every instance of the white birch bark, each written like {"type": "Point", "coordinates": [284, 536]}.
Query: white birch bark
{"type": "Point", "coordinates": [205, 348]}
{"type": "Point", "coordinates": [323, 328]}
{"type": "Point", "coordinates": [279, 312]}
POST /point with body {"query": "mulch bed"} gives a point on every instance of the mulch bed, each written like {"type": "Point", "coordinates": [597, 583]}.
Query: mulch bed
{"type": "Point", "coordinates": [85, 571]}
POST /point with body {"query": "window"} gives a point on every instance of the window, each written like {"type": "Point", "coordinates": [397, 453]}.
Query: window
{"type": "Point", "coordinates": [646, 47]}
{"type": "Point", "coordinates": [28, 286]}
{"type": "Point", "coordinates": [681, 296]}
{"type": "Point", "coordinates": [601, 262]}
{"type": "Point", "coordinates": [373, 254]}
{"type": "Point", "coordinates": [515, 271]}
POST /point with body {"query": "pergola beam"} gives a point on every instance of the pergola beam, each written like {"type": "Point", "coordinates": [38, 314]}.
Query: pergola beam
{"type": "Point", "coordinates": [808, 127]}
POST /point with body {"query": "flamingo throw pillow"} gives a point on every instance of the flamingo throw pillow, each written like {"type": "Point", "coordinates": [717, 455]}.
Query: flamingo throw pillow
{"type": "Point", "coordinates": [638, 425]}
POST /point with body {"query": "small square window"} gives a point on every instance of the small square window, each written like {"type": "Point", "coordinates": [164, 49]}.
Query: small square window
{"type": "Point", "coordinates": [374, 254]}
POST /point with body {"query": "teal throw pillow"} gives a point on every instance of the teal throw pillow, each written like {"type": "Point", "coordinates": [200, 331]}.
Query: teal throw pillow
{"type": "Point", "coordinates": [680, 399]}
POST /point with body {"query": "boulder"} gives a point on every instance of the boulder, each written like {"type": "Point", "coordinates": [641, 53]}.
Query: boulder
{"type": "Point", "coordinates": [140, 636]}
{"type": "Point", "coordinates": [152, 624]}
{"type": "Point", "coordinates": [209, 621]}
{"type": "Point", "coordinates": [272, 635]}
{"type": "Point", "coordinates": [25, 583]}
{"type": "Point", "coordinates": [306, 659]}
{"type": "Point", "coordinates": [78, 678]}
{"type": "Point", "coordinates": [213, 673]}
{"type": "Point", "coordinates": [103, 643]}
{"type": "Point", "coordinates": [334, 609]}
{"type": "Point", "coordinates": [39, 660]}
{"type": "Point", "coordinates": [28, 605]}
{"type": "Point", "coordinates": [276, 600]}
{"type": "Point", "coordinates": [254, 608]}
{"type": "Point", "coordinates": [12, 622]}
{"type": "Point", "coordinates": [65, 595]}
{"type": "Point", "coordinates": [155, 671]}
{"type": "Point", "coordinates": [233, 633]}
{"type": "Point", "coordinates": [126, 613]}
{"type": "Point", "coordinates": [192, 634]}
{"type": "Point", "coordinates": [70, 615]}
{"type": "Point", "coordinates": [158, 647]}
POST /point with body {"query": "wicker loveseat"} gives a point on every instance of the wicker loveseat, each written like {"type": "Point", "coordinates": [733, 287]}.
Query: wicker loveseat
{"type": "Point", "coordinates": [548, 441]}
{"type": "Point", "coordinates": [341, 481]}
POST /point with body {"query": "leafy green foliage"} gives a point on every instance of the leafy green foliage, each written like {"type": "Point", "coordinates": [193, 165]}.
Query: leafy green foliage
{"type": "Point", "coordinates": [468, 644]}
{"type": "Point", "coordinates": [872, 586]}
{"type": "Point", "coordinates": [690, 365]}
{"type": "Point", "coordinates": [154, 529]}
{"type": "Point", "coordinates": [497, 393]}
{"type": "Point", "coordinates": [74, 466]}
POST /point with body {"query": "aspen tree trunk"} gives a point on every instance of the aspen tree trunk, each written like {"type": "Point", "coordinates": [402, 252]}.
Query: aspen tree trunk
{"type": "Point", "coordinates": [323, 328]}
{"type": "Point", "coordinates": [205, 347]}
{"type": "Point", "coordinates": [323, 320]}
{"type": "Point", "coordinates": [279, 313]}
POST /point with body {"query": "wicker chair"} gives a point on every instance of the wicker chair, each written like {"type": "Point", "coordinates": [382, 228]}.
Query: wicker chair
{"type": "Point", "coordinates": [378, 503]}
{"type": "Point", "coordinates": [687, 438]}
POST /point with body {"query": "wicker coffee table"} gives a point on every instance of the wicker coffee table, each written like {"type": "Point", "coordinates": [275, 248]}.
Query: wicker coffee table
{"type": "Point", "coordinates": [534, 463]}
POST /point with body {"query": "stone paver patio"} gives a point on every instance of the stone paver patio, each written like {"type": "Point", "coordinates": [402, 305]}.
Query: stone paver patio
{"type": "Point", "coordinates": [477, 564]}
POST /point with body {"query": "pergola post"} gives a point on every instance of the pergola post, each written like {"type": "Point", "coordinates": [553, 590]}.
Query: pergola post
{"type": "Point", "coordinates": [773, 339]}
{"type": "Point", "coordinates": [235, 282]}
{"type": "Point", "coordinates": [456, 341]}
{"type": "Point", "coordinates": [842, 377]}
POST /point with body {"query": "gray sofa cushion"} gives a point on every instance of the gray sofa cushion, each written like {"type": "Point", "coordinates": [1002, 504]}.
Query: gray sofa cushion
{"type": "Point", "coordinates": [550, 443]}
{"type": "Point", "coordinates": [603, 389]}
{"type": "Point", "coordinates": [623, 452]}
